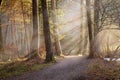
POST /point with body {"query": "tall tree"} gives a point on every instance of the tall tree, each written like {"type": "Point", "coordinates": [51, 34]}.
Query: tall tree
{"type": "Point", "coordinates": [0, 2]}
{"type": "Point", "coordinates": [0, 36]}
{"type": "Point", "coordinates": [58, 50]}
{"type": "Point", "coordinates": [89, 27]}
{"type": "Point", "coordinates": [35, 12]}
{"type": "Point", "coordinates": [0, 29]}
{"type": "Point", "coordinates": [81, 50]}
{"type": "Point", "coordinates": [96, 16]}
{"type": "Point", "coordinates": [46, 29]}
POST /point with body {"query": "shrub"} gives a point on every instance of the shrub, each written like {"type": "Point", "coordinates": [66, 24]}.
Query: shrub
{"type": "Point", "coordinates": [103, 70]}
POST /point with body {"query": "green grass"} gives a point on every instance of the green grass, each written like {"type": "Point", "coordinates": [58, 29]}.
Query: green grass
{"type": "Point", "coordinates": [14, 69]}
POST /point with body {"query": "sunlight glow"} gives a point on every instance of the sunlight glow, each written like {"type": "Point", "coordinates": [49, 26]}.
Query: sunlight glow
{"type": "Point", "coordinates": [71, 56]}
{"type": "Point", "coordinates": [74, 27]}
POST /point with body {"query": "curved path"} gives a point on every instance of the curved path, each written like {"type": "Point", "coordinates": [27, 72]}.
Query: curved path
{"type": "Point", "coordinates": [66, 69]}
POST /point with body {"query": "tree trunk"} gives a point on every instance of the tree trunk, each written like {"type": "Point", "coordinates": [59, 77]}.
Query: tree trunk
{"type": "Point", "coordinates": [35, 12]}
{"type": "Point", "coordinates": [46, 29]}
{"type": "Point", "coordinates": [0, 30]}
{"type": "Point", "coordinates": [96, 16]}
{"type": "Point", "coordinates": [0, 36]}
{"type": "Point", "coordinates": [35, 16]}
{"type": "Point", "coordinates": [80, 51]}
{"type": "Point", "coordinates": [0, 2]}
{"type": "Point", "coordinates": [89, 27]}
{"type": "Point", "coordinates": [58, 50]}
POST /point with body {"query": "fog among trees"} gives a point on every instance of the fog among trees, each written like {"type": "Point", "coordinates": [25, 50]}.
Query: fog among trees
{"type": "Point", "coordinates": [59, 28]}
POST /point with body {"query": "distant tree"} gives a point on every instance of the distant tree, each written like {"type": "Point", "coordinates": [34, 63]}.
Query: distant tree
{"type": "Point", "coordinates": [0, 30]}
{"type": "Point", "coordinates": [81, 16]}
{"type": "Point", "coordinates": [96, 16]}
{"type": "Point", "coordinates": [0, 2]}
{"type": "Point", "coordinates": [107, 12]}
{"type": "Point", "coordinates": [46, 29]}
{"type": "Point", "coordinates": [0, 36]}
{"type": "Point", "coordinates": [58, 50]}
{"type": "Point", "coordinates": [35, 13]}
{"type": "Point", "coordinates": [89, 27]}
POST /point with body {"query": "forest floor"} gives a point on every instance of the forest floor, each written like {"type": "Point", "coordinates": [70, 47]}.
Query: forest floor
{"type": "Point", "coordinates": [75, 68]}
{"type": "Point", "coordinates": [66, 69]}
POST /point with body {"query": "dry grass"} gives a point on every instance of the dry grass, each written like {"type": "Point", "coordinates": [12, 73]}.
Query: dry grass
{"type": "Point", "coordinates": [103, 70]}
{"type": "Point", "coordinates": [19, 68]}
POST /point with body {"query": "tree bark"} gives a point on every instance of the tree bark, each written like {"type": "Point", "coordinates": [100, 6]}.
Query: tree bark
{"type": "Point", "coordinates": [1, 46]}
{"type": "Point", "coordinates": [46, 29]}
{"type": "Point", "coordinates": [0, 30]}
{"type": "Point", "coordinates": [35, 12]}
{"type": "Point", "coordinates": [0, 2]}
{"type": "Point", "coordinates": [35, 16]}
{"type": "Point", "coordinates": [96, 16]}
{"type": "Point", "coordinates": [89, 28]}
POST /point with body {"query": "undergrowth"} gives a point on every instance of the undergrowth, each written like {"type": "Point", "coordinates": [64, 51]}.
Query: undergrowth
{"type": "Point", "coordinates": [19, 68]}
{"type": "Point", "coordinates": [103, 70]}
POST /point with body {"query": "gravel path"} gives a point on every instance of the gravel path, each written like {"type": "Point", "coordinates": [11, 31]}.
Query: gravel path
{"type": "Point", "coordinates": [66, 69]}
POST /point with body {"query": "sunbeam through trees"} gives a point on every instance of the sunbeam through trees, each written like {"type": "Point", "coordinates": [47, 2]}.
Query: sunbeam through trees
{"type": "Point", "coordinates": [39, 33]}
